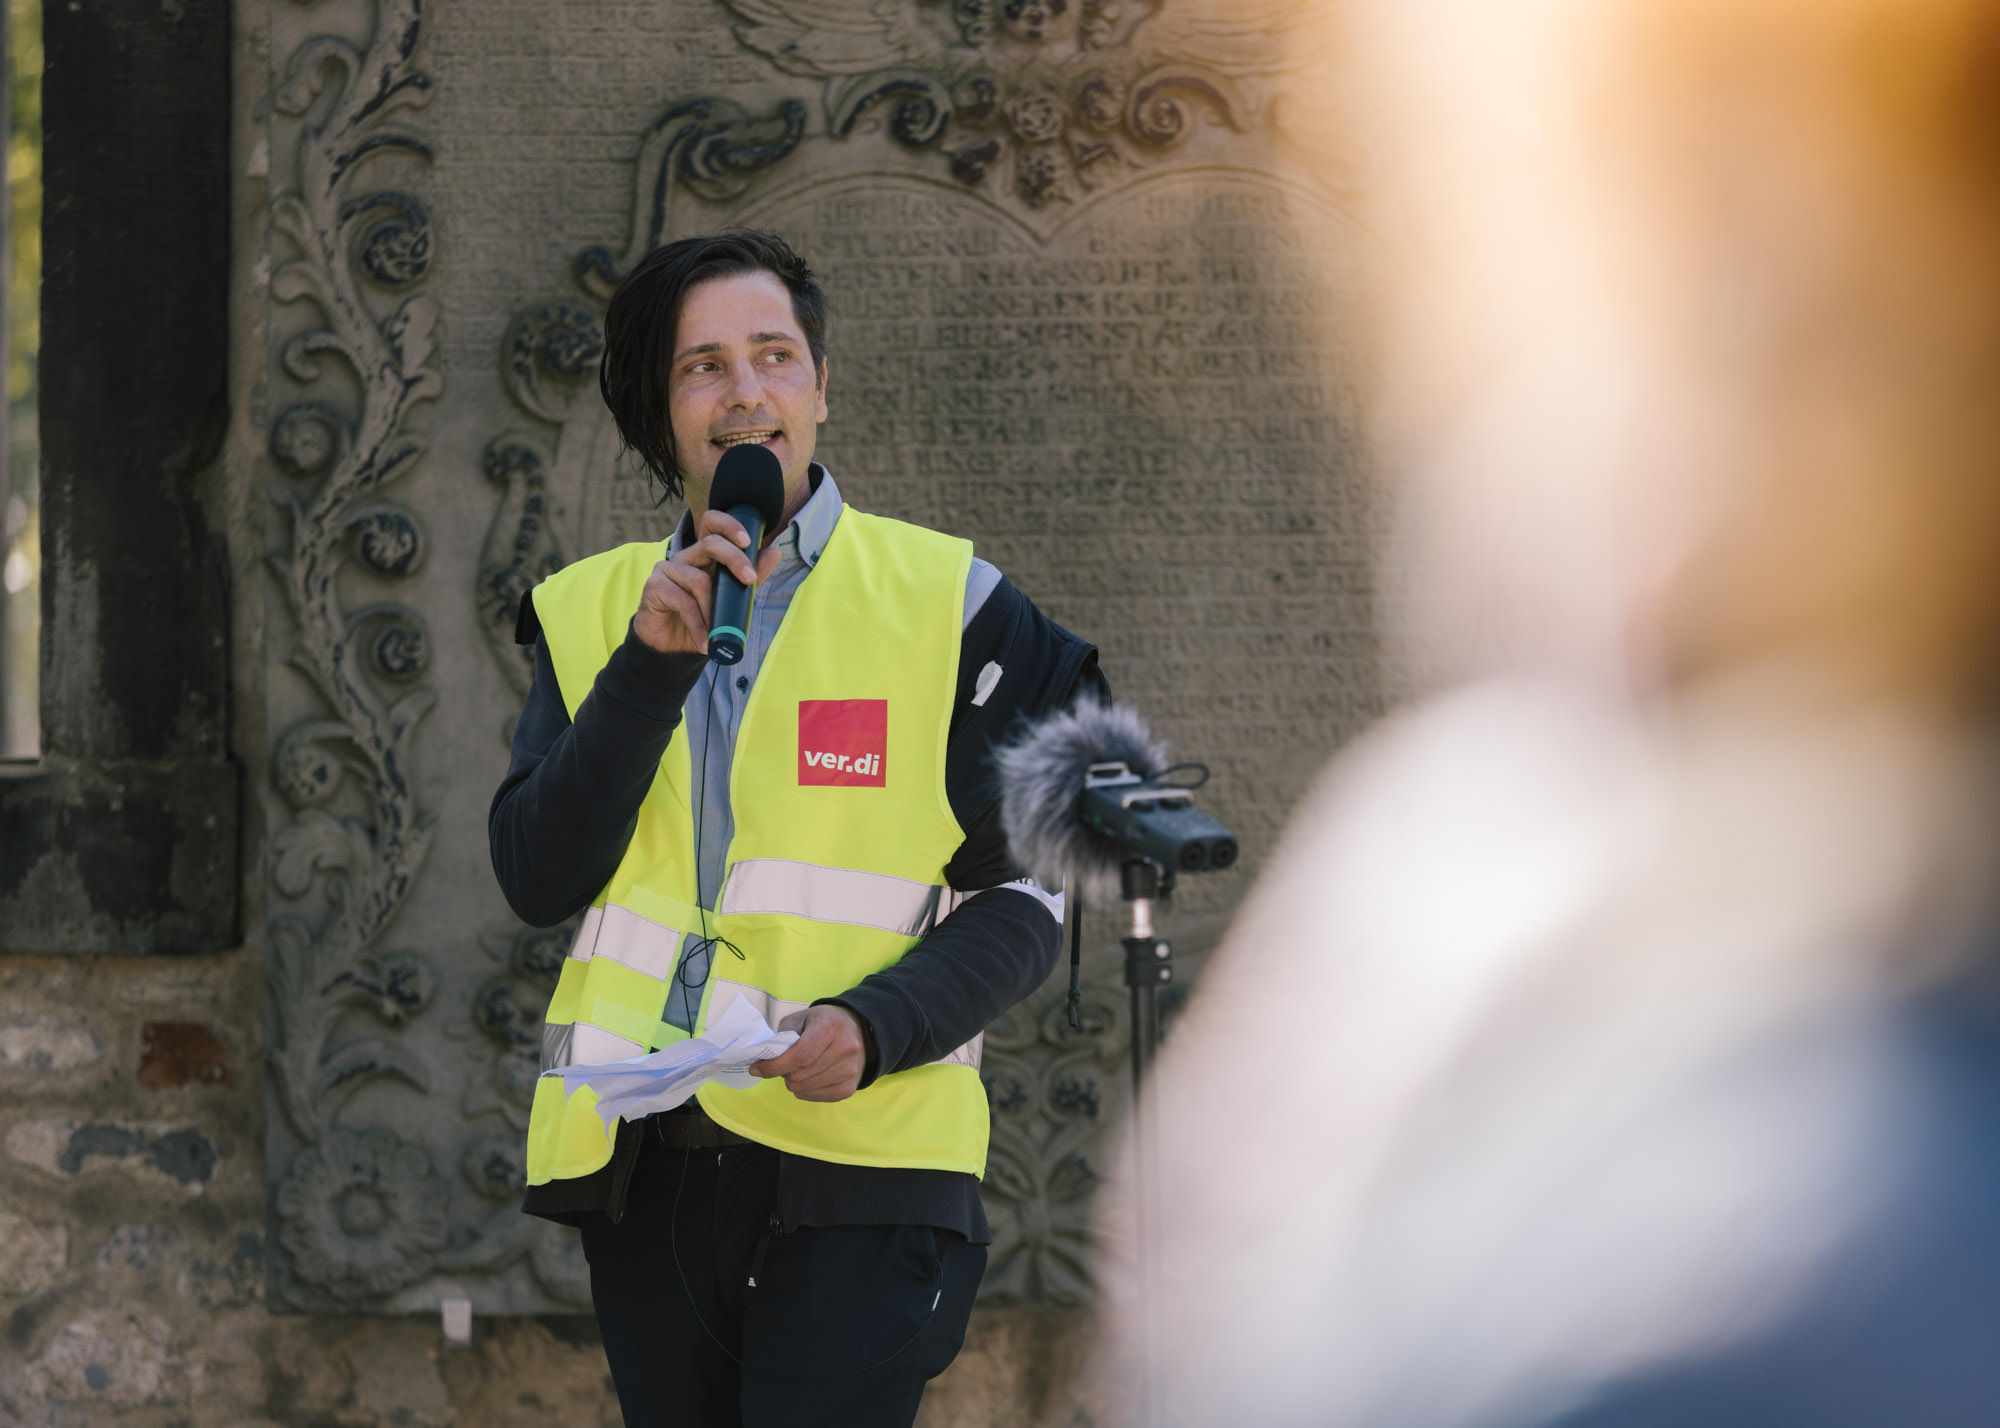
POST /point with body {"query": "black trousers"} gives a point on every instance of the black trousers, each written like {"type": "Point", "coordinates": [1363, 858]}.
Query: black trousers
{"type": "Point", "coordinates": [712, 1315]}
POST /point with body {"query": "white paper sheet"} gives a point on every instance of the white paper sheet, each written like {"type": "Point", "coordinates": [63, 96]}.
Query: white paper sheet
{"type": "Point", "coordinates": [662, 1079]}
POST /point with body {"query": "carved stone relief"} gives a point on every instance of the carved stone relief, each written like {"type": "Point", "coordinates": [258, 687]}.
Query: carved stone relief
{"type": "Point", "coordinates": [1072, 293]}
{"type": "Point", "coordinates": [361, 1213]}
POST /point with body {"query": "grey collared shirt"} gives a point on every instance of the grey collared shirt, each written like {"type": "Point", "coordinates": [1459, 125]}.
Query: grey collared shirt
{"type": "Point", "coordinates": [714, 710]}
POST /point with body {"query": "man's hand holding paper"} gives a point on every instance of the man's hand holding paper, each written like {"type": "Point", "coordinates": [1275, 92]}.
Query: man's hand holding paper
{"type": "Point", "coordinates": [641, 1085]}
{"type": "Point", "coordinates": [828, 1061]}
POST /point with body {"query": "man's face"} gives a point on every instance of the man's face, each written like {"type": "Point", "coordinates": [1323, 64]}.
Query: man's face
{"type": "Point", "coordinates": [742, 371]}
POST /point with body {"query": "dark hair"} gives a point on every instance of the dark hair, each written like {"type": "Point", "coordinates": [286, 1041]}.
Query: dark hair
{"type": "Point", "coordinates": [645, 310]}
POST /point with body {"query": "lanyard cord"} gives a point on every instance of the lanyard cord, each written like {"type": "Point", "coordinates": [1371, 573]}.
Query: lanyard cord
{"type": "Point", "coordinates": [704, 945]}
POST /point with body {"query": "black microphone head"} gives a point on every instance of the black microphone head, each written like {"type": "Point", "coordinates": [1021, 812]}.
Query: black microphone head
{"type": "Point", "coordinates": [749, 475]}
{"type": "Point", "coordinates": [1041, 793]}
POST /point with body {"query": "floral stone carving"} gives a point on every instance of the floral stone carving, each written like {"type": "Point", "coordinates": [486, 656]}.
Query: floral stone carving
{"type": "Point", "coordinates": [361, 1213]}
{"type": "Point", "coordinates": [1040, 99]}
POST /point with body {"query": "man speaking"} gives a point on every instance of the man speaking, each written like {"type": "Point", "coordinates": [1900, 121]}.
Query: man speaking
{"type": "Point", "coordinates": [813, 827]}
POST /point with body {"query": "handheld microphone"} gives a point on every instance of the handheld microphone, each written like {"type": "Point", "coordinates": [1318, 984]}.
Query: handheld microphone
{"type": "Point", "coordinates": [750, 485]}
{"type": "Point", "coordinates": [1080, 797]}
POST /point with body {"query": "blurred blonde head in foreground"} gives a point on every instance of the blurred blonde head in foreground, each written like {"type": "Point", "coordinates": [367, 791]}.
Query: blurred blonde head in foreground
{"type": "Point", "coordinates": [1609, 1043]}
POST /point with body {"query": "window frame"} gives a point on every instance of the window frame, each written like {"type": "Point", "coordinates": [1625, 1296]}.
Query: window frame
{"type": "Point", "coordinates": [124, 836]}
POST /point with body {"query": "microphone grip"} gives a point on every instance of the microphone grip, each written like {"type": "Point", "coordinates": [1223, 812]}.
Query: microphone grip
{"type": "Point", "coordinates": [729, 618]}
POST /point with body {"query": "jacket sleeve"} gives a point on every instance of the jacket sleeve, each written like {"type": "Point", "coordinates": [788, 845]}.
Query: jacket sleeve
{"type": "Point", "coordinates": [562, 816]}
{"type": "Point", "coordinates": [1004, 940]}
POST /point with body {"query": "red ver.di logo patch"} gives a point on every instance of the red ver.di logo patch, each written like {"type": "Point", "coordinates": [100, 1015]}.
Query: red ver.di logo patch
{"type": "Point", "coordinates": [843, 742]}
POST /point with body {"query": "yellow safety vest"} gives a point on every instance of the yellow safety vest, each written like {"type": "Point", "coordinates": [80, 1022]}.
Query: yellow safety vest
{"type": "Point", "coordinates": [835, 869]}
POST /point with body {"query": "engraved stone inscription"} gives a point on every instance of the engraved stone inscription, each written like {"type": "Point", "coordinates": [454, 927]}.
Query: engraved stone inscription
{"type": "Point", "coordinates": [1147, 423]}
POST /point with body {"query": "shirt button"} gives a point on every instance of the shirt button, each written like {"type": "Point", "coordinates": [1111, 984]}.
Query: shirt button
{"type": "Point", "coordinates": [742, 681]}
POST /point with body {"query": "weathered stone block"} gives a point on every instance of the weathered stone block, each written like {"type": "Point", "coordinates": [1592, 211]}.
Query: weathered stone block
{"type": "Point", "coordinates": [193, 990]}
{"type": "Point", "coordinates": [140, 1248]}
{"type": "Point", "coordinates": [31, 1255]}
{"type": "Point", "coordinates": [182, 1053]}
{"type": "Point", "coordinates": [114, 1358]}
{"type": "Point", "coordinates": [181, 1154]}
{"type": "Point", "coordinates": [531, 1372]}
{"type": "Point", "coordinates": [408, 1388]}
{"type": "Point", "coordinates": [1021, 1368]}
{"type": "Point", "coordinates": [44, 1043]}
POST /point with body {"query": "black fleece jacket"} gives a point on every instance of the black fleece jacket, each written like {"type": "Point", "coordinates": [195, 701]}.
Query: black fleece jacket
{"type": "Point", "coordinates": [563, 814]}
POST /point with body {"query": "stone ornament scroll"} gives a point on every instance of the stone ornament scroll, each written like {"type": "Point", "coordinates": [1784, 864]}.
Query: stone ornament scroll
{"type": "Point", "coordinates": [364, 1210]}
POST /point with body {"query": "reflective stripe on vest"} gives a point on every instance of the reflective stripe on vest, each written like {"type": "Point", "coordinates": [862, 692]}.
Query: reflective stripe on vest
{"type": "Point", "coordinates": [582, 1042]}
{"type": "Point", "coordinates": [809, 922]}
{"type": "Point", "coordinates": [808, 890]}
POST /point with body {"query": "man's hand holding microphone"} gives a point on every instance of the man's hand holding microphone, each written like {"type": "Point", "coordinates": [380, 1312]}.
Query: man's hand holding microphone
{"type": "Point", "coordinates": [697, 600]}
{"type": "Point", "coordinates": [678, 603]}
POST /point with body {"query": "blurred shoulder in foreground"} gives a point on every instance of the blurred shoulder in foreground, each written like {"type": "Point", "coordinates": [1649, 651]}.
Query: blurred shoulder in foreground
{"type": "Point", "coordinates": [1635, 987]}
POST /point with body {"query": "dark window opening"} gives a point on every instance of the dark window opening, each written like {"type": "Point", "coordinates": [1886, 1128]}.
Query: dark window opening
{"type": "Point", "coordinates": [20, 330]}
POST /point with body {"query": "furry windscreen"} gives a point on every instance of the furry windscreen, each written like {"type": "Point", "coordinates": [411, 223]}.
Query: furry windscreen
{"type": "Point", "coordinates": [1041, 789]}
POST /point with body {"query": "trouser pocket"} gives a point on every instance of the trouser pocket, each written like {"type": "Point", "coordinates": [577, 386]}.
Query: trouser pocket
{"type": "Point", "coordinates": [829, 1301]}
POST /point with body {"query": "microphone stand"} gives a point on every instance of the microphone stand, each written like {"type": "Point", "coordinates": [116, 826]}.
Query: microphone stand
{"type": "Point", "coordinates": [1148, 967]}
{"type": "Point", "coordinates": [1149, 963]}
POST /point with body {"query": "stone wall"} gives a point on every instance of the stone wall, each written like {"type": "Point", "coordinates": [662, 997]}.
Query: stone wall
{"type": "Point", "coordinates": [1084, 313]}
